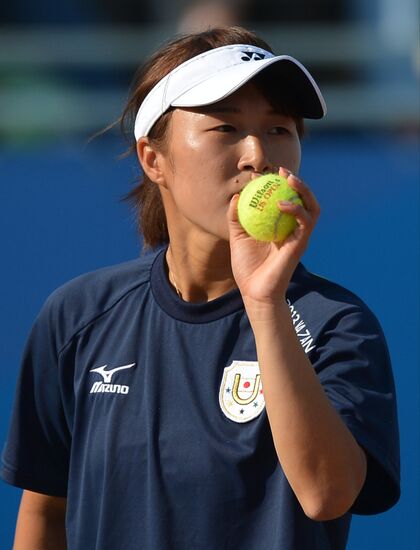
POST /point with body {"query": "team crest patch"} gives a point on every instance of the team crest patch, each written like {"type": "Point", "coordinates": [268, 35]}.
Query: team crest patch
{"type": "Point", "coordinates": [241, 395]}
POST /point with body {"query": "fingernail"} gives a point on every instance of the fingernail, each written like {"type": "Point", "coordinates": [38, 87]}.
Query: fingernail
{"type": "Point", "coordinates": [286, 203]}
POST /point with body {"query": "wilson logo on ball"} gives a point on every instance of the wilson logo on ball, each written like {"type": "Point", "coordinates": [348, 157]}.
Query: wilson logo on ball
{"type": "Point", "coordinates": [258, 210]}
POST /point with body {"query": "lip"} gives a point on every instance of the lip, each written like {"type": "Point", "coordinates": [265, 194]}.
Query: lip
{"type": "Point", "coordinates": [252, 176]}
{"type": "Point", "coordinates": [244, 184]}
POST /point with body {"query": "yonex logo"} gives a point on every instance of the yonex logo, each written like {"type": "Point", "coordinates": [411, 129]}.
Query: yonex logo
{"type": "Point", "coordinates": [105, 386]}
{"type": "Point", "coordinates": [252, 56]}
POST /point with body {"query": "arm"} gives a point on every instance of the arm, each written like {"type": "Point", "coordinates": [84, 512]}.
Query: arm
{"type": "Point", "coordinates": [321, 459]}
{"type": "Point", "coordinates": [323, 463]}
{"type": "Point", "coordinates": [41, 523]}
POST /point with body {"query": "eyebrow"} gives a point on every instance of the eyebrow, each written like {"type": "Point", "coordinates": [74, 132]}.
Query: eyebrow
{"type": "Point", "coordinates": [218, 109]}
{"type": "Point", "coordinates": [208, 109]}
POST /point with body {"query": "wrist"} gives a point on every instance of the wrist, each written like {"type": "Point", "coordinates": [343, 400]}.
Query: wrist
{"type": "Point", "coordinates": [265, 312]}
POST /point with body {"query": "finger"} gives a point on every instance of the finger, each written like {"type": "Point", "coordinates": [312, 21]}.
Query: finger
{"type": "Point", "coordinates": [307, 196]}
{"type": "Point", "coordinates": [235, 228]}
{"type": "Point", "coordinates": [303, 217]}
{"type": "Point", "coordinates": [303, 190]}
{"type": "Point", "coordinates": [285, 172]}
{"type": "Point", "coordinates": [233, 209]}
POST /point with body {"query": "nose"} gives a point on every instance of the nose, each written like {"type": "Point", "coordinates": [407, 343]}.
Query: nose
{"type": "Point", "coordinates": [254, 156]}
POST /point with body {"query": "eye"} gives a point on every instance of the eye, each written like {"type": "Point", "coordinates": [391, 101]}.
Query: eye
{"type": "Point", "coordinates": [279, 130]}
{"type": "Point", "coordinates": [225, 128]}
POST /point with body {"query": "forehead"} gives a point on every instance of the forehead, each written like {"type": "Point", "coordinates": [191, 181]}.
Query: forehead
{"type": "Point", "coordinates": [250, 96]}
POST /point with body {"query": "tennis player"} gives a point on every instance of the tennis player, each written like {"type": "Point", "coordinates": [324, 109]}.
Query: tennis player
{"type": "Point", "coordinates": [212, 394]}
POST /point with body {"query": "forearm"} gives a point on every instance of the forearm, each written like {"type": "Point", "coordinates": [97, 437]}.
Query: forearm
{"type": "Point", "coordinates": [40, 525]}
{"type": "Point", "coordinates": [322, 461]}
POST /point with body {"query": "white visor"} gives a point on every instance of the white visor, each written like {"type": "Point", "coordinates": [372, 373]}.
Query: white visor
{"type": "Point", "coordinates": [215, 74]}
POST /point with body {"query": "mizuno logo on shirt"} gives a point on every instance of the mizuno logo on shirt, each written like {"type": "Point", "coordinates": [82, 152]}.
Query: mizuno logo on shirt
{"type": "Point", "coordinates": [104, 385]}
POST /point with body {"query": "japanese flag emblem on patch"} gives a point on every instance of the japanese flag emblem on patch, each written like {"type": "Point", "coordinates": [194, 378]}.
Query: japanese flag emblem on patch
{"type": "Point", "coordinates": [241, 395]}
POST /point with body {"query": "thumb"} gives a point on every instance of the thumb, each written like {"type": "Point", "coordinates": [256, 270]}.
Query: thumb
{"type": "Point", "coordinates": [235, 228]}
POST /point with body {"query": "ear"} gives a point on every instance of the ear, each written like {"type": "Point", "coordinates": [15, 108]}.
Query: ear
{"type": "Point", "coordinates": [151, 161]}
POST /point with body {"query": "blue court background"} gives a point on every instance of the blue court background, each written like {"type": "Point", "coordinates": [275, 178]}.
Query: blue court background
{"type": "Point", "coordinates": [60, 216]}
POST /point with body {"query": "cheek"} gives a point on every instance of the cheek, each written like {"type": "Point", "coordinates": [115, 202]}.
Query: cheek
{"type": "Point", "coordinates": [289, 156]}
{"type": "Point", "coordinates": [200, 165]}
{"type": "Point", "coordinates": [193, 181]}
{"type": "Point", "coordinates": [296, 162]}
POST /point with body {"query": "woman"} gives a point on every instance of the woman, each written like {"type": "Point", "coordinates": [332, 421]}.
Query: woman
{"type": "Point", "coordinates": [212, 394]}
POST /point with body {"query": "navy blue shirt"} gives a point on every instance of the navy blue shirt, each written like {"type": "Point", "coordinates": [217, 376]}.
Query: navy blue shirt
{"type": "Point", "coordinates": [148, 414]}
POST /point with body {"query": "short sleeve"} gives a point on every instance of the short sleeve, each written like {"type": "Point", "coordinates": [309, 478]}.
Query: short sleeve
{"type": "Point", "coordinates": [36, 453]}
{"type": "Point", "coordinates": [353, 365]}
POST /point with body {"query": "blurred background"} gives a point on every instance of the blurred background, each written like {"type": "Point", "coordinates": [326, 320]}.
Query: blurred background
{"type": "Point", "coordinates": [65, 70]}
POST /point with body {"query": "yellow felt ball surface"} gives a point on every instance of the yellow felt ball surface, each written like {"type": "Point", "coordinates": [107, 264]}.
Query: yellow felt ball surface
{"type": "Point", "coordinates": [258, 212]}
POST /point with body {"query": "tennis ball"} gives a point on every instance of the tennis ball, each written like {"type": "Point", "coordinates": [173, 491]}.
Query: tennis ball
{"type": "Point", "coordinates": [258, 212]}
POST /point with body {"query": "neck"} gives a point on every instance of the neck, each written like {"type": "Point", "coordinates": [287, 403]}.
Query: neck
{"type": "Point", "coordinates": [200, 276]}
